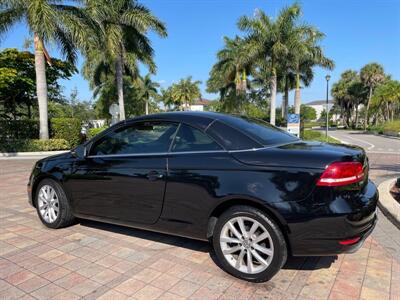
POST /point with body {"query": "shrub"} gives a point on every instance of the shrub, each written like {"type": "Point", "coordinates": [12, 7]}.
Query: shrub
{"type": "Point", "coordinates": [393, 126]}
{"type": "Point", "coordinates": [94, 131]}
{"type": "Point", "coordinates": [19, 129]}
{"type": "Point", "coordinates": [68, 129]}
{"type": "Point", "coordinates": [34, 145]}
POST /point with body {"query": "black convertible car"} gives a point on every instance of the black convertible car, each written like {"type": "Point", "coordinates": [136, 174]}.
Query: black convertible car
{"type": "Point", "coordinates": [256, 192]}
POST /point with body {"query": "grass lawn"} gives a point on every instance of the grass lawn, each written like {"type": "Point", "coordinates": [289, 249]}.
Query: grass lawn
{"type": "Point", "coordinates": [312, 135]}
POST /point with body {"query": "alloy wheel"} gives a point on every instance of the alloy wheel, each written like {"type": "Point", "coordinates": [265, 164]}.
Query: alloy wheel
{"type": "Point", "coordinates": [48, 203]}
{"type": "Point", "coordinates": [246, 245]}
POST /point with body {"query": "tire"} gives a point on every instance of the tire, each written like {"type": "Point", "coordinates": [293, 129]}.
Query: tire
{"type": "Point", "coordinates": [62, 215]}
{"type": "Point", "coordinates": [267, 246]}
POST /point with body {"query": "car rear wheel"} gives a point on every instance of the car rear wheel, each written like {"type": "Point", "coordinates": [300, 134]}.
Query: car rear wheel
{"type": "Point", "coordinates": [248, 244]}
{"type": "Point", "coordinates": [52, 205]}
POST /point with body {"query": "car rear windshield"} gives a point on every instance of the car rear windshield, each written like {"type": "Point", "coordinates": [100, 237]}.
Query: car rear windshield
{"type": "Point", "coordinates": [262, 132]}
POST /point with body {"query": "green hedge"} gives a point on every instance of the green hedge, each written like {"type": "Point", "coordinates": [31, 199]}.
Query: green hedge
{"type": "Point", "coordinates": [34, 145]}
{"type": "Point", "coordinates": [19, 129]}
{"type": "Point", "coordinates": [94, 131]}
{"type": "Point", "coordinates": [393, 126]}
{"type": "Point", "coordinates": [68, 129]}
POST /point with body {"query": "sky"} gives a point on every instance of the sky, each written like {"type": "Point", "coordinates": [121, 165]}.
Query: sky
{"type": "Point", "coordinates": [357, 32]}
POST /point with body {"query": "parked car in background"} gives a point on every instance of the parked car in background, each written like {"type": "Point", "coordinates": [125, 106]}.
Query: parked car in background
{"type": "Point", "coordinates": [257, 193]}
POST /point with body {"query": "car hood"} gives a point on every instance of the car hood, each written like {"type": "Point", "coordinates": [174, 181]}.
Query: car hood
{"type": "Point", "coordinates": [310, 155]}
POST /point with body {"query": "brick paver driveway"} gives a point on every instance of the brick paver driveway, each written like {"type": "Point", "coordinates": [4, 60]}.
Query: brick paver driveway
{"type": "Point", "coordinates": [95, 260]}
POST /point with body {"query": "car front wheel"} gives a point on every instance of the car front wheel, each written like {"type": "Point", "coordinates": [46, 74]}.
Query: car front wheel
{"type": "Point", "coordinates": [248, 244]}
{"type": "Point", "coordinates": [52, 205]}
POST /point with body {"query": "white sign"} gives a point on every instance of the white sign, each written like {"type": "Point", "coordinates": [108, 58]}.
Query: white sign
{"type": "Point", "coordinates": [293, 124]}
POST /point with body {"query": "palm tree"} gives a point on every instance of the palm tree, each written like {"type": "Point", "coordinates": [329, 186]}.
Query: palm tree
{"type": "Point", "coordinates": [124, 25]}
{"type": "Point", "coordinates": [371, 76]}
{"type": "Point", "coordinates": [305, 54]}
{"type": "Point", "coordinates": [50, 21]}
{"type": "Point", "coordinates": [185, 92]}
{"type": "Point", "coordinates": [166, 97]}
{"type": "Point", "coordinates": [343, 94]}
{"type": "Point", "coordinates": [147, 89]}
{"type": "Point", "coordinates": [270, 40]}
{"type": "Point", "coordinates": [232, 66]}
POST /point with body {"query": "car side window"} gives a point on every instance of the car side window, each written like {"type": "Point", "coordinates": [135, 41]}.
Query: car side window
{"type": "Point", "coordinates": [192, 139]}
{"type": "Point", "coordinates": [144, 137]}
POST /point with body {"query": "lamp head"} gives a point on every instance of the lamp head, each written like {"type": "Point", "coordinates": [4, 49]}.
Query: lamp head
{"type": "Point", "coordinates": [327, 77]}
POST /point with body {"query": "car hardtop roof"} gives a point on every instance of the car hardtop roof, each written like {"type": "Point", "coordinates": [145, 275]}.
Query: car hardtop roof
{"type": "Point", "coordinates": [200, 118]}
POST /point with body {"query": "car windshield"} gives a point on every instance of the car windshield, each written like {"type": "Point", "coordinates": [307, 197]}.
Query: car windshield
{"type": "Point", "coordinates": [263, 132]}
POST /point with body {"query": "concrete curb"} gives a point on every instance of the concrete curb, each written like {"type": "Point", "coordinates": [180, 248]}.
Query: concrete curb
{"type": "Point", "coordinates": [387, 136]}
{"type": "Point", "coordinates": [30, 154]}
{"type": "Point", "coordinates": [389, 206]}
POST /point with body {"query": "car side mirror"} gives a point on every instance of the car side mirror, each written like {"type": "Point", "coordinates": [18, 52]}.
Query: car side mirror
{"type": "Point", "coordinates": [79, 152]}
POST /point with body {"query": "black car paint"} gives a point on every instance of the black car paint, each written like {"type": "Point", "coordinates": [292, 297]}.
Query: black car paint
{"type": "Point", "coordinates": [187, 190]}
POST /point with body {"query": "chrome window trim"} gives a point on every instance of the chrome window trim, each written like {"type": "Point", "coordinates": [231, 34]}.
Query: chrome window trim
{"type": "Point", "coordinates": [156, 154]}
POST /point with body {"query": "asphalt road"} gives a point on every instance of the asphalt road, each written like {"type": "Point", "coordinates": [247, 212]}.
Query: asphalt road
{"type": "Point", "coordinates": [371, 143]}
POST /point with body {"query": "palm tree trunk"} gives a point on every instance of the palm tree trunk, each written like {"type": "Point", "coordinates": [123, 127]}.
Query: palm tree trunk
{"type": "Point", "coordinates": [356, 115]}
{"type": "Point", "coordinates": [367, 109]}
{"type": "Point", "coordinates": [285, 100]}
{"type": "Point", "coordinates": [273, 96]}
{"type": "Point", "coordinates": [41, 88]}
{"type": "Point", "coordinates": [297, 99]}
{"type": "Point", "coordinates": [120, 87]}
{"type": "Point", "coordinates": [147, 106]}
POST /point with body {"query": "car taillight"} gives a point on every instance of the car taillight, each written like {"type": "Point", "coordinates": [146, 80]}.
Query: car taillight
{"type": "Point", "coordinates": [341, 173]}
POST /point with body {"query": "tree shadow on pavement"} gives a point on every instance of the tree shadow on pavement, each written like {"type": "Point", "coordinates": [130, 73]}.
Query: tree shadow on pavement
{"type": "Point", "coordinates": [292, 263]}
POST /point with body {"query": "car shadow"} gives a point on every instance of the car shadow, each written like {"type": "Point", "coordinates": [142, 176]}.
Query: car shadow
{"type": "Point", "coordinates": [292, 263]}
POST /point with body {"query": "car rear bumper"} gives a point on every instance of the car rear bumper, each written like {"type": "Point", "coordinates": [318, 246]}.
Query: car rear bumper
{"type": "Point", "coordinates": [329, 230]}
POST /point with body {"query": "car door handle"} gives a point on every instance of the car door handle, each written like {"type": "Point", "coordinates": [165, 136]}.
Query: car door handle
{"type": "Point", "coordinates": [154, 175]}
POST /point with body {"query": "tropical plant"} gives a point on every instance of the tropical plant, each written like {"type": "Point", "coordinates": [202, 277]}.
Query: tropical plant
{"type": "Point", "coordinates": [232, 67]}
{"type": "Point", "coordinates": [50, 21]}
{"type": "Point", "coordinates": [147, 89]}
{"type": "Point", "coordinates": [18, 85]}
{"type": "Point", "coordinates": [386, 100]}
{"type": "Point", "coordinates": [124, 28]}
{"type": "Point", "coordinates": [308, 113]}
{"type": "Point", "coordinates": [304, 55]}
{"type": "Point", "coordinates": [185, 92]}
{"type": "Point", "coordinates": [371, 76]}
{"type": "Point", "coordinates": [166, 98]}
{"type": "Point", "coordinates": [269, 42]}
{"type": "Point", "coordinates": [348, 94]}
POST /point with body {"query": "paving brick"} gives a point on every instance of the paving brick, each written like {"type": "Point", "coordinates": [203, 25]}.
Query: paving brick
{"type": "Point", "coordinates": [147, 275]}
{"type": "Point", "coordinates": [148, 293]}
{"type": "Point", "coordinates": [165, 281]}
{"type": "Point", "coordinates": [56, 273]}
{"type": "Point", "coordinates": [184, 288]}
{"type": "Point", "coordinates": [84, 288]}
{"type": "Point", "coordinates": [20, 277]}
{"type": "Point", "coordinates": [11, 293]}
{"type": "Point", "coordinates": [130, 286]}
{"type": "Point", "coordinates": [33, 284]}
{"type": "Point", "coordinates": [48, 292]}
{"type": "Point", "coordinates": [70, 280]}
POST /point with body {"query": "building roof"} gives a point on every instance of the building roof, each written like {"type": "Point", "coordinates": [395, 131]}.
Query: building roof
{"type": "Point", "coordinates": [319, 102]}
{"type": "Point", "coordinates": [200, 101]}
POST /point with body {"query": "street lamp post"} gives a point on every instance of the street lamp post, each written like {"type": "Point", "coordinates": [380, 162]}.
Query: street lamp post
{"type": "Point", "coordinates": [327, 77]}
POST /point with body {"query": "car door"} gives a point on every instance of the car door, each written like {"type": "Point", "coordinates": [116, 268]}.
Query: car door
{"type": "Point", "coordinates": [195, 165]}
{"type": "Point", "coordinates": [124, 175]}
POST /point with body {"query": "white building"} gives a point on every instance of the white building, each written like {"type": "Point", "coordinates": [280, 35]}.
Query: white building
{"type": "Point", "coordinates": [199, 105]}
{"type": "Point", "coordinates": [319, 106]}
